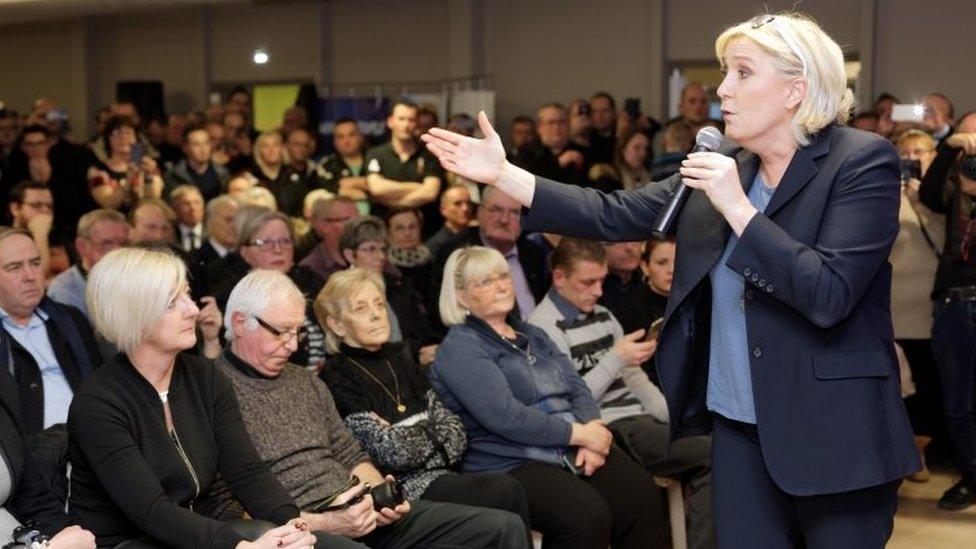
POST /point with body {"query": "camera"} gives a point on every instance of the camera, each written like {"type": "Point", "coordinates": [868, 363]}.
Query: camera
{"type": "Point", "coordinates": [584, 109]}
{"type": "Point", "coordinates": [27, 535]}
{"type": "Point", "coordinates": [968, 167]}
{"type": "Point", "coordinates": [387, 495]}
{"type": "Point", "coordinates": [911, 169]}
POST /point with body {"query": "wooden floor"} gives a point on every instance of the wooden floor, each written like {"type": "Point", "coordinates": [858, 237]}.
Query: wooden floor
{"type": "Point", "coordinates": [919, 524]}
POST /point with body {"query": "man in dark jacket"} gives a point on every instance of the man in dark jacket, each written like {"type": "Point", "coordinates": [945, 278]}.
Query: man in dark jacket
{"type": "Point", "coordinates": [500, 228]}
{"type": "Point", "coordinates": [49, 347]}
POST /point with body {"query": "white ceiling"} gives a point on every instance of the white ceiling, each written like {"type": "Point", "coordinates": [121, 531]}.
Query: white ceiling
{"type": "Point", "coordinates": [24, 11]}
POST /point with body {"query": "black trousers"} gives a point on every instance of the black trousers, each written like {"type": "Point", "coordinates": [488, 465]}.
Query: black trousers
{"type": "Point", "coordinates": [925, 406]}
{"type": "Point", "coordinates": [618, 506]}
{"type": "Point", "coordinates": [687, 460]}
{"type": "Point", "coordinates": [492, 490]}
{"type": "Point", "coordinates": [752, 512]}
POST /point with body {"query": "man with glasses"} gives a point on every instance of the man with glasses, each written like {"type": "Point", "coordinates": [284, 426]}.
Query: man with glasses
{"type": "Point", "coordinates": [32, 209]}
{"type": "Point", "coordinates": [499, 227]}
{"type": "Point", "coordinates": [329, 216]}
{"type": "Point", "coordinates": [99, 232]}
{"type": "Point", "coordinates": [62, 167]}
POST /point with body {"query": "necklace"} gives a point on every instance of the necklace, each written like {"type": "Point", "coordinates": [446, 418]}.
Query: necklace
{"type": "Point", "coordinates": [396, 400]}
{"type": "Point", "coordinates": [528, 346]}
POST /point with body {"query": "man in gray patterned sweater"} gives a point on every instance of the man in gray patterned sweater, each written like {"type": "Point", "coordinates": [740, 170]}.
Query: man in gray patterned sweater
{"type": "Point", "coordinates": [609, 362]}
{"type": "Point", "coordinates": [296, 429]}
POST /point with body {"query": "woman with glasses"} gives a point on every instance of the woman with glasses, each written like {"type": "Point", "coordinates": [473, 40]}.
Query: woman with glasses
{"type": "Point", "coordinates": [267, 242]}
{"type": "Point", "coordinates": [528, 413]}
{"type": "Point", "coordinates": [151, 429]}
{"type": "Point", "coordinates": [363, 243]}
{"type": "Point", "coordinates": [384, 397]}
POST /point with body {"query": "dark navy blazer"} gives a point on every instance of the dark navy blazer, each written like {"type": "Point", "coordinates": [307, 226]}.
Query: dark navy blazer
{"type": "Point", "coordinates": [817, 305]}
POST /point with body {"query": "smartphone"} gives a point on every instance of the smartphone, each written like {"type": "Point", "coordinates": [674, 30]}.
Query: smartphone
{"type": "Point", "coordinates": [584, 109]}
{"type": "Point", "coordinates": [632, 106]}
{"type": "Point", "coordinates": [654, 330]}
{"type": "Point", "coordinates": [569, 462]}
{"type": "Point", "coordinates": [136, 154]}
{"type": "Point", "coordinates": [911, 169]}
{"type": "Point", "coordinates": [907, 112]}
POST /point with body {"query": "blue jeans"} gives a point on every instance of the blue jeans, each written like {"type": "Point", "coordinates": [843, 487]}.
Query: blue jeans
{"type": "Point", "coordinates": [954, 350]}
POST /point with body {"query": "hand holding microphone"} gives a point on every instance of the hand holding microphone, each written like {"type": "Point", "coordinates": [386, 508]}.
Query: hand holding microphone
{"type": "Point", "coordinates": [717, 176]}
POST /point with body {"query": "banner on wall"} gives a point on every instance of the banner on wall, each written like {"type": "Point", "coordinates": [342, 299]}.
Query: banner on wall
{"type": "Point", "coordinates": [369, 112]}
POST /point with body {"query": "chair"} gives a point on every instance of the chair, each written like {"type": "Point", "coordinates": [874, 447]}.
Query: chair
{"type": "Point", "coordinates": [676, 511]}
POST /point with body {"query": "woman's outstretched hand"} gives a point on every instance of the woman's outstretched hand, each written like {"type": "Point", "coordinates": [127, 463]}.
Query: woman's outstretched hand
{"type": "Point", "coordinates": [479, 160]}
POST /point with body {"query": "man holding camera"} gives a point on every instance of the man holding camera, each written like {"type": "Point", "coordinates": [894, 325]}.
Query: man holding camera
{"type": "Point", "coordinates": [297, 431]}
{"type": "Point", "coordinates": [949, 187]}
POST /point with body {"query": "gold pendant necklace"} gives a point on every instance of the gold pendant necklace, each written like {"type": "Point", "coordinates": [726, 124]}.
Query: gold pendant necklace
{"type": "Point", "coordinates": [400, 407]}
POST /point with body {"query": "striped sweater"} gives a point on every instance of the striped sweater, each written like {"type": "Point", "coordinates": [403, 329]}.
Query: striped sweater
{"type": "Point", "coordinates": [588, 340]}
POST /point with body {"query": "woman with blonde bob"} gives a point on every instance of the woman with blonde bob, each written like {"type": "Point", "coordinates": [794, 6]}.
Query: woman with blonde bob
{"type": "Point", "coordinates": [529, 414]}
{"type": "Point", "coordinates": [152, 427]}
{"type": "Point", "coordinates": [777, 336]}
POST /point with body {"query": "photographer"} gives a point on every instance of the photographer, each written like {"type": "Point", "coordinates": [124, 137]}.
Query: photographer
{"type": "Point", "coordinates": [949, 187]}
{"type": "Point", "coordinates": [914, 258]}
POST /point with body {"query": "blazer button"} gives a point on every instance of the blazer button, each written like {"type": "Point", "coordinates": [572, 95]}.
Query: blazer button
{"type": "Point", "coordinates": [762, 282]}
{"type": "Point", "coordinates": [755, 277]}
{"type": "Point", "coordinates": [746, 272]}
{"type": "Point", "coordinates": [757, 351]}
{"type": "Point", "coordinates": [769, 289]}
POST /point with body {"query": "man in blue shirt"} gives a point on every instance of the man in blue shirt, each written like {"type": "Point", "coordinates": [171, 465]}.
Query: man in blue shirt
{"type": "Point", "coordinates": [49, 348]}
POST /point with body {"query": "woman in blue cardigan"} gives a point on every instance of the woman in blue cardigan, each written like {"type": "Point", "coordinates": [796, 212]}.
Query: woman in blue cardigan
{"type": "Point", "coordinates": [528, 413]}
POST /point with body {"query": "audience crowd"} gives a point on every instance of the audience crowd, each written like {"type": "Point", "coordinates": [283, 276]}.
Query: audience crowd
{"type": "Point", "coordinates": [235, 342]}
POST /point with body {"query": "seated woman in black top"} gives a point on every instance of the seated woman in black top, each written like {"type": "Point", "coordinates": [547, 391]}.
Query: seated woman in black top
{"type": "Point", "coordinates": [152, 427]}
{"type": "Point", "coordinates": [122, 173]}
{"type": "Point", "coordinates": [385, 399]}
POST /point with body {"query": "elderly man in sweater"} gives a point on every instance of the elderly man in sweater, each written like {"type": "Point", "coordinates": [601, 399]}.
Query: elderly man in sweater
{"type": "Point", "coordinates": [609, 362]}
{"type": "Point", "coordinates": [296, 429]}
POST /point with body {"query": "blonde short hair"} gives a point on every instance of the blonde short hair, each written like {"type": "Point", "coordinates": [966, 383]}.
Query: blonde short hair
{"type": "Point", "coordinates": [800, 48]}
{"type": "Point", "coordinates": [334, 298]}
{"type": "Point", "coordinates": [463, 265]}
{"type": "Point", "coordinates": [129, 290]}
{"type": "Point", "coordinates": [918, 136]}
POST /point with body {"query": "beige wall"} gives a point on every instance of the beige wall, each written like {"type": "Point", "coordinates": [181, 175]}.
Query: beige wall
{"type": "Point", "coordinates": [535, 50]}
{"type": "Point", "coordinates": [927, 50]}
{"type": "Point", "coordinates": [288, 31]}
{"type": "Point", "coordinates": [40, 60]}
{"type": "Point", "coordinates": [149, 47]}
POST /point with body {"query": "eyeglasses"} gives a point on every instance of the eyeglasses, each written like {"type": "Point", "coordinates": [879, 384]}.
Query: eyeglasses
{"type": "Point", "coordinates": [266, 244]}
{"type": "Point", "coordinates": [493, 281]}
{"type": "Point", "coordinates": [300, 333]}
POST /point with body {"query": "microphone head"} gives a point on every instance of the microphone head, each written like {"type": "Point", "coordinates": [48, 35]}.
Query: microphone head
{"type": "Point", "coordinates": [708, 138]}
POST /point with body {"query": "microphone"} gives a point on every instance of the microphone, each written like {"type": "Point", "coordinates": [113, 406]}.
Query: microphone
{"type": "Point", "coordinates": [708, 140]}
